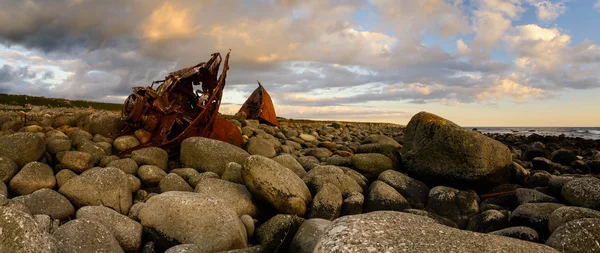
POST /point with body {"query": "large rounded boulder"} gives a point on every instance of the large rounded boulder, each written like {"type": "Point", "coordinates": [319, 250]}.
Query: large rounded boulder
{"type": "Point", "coordinates": [103, 123]}
{"type": "Point", "coordinates": [22, 147]}
{"type": "Point", "coordinates": [206, 154]}
{"type": "Point", "coordinates": [441, 152]}
{"type": "Point", "coordinates": [19, 232]}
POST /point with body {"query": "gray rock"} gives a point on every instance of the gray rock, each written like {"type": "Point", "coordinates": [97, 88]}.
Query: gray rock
{"type": "Point", "coordinates": [277, 232]}
{"type": "Point", "coordinates": [77, 161]}
{"type": "Point", "coordinates": [125, 142]}
{"type": "Point", "coordinates": [534, 215]}
{"type": "Point", "coordinates": [343, 182]}
{"type": "Point", "coordinates": [194, 218]}
{"type": "Point", "coordinates": [367, 232]}
{"type": "Point", "coordinates": [327, 203]}
{"type": "Point", "coordinates": [308, 162]}
{"type": "Point", "coordinates": [520, 232]}
{"type": "Point", "coordinates": [260, 146]}
{"type": "Point", "coordinates": [291, 163]}
{"type": "Point", "coordinates": [196, 179]}
{"type": "Point", "coordinates": [45, 223]}
{"type": "Point", "coordinates": [151, 156]}
{"type": "Point", "coordinates": [413, 190]}
{"type": "Point", "coordinates": [107, 159]}
{"type": "Point", "coordinates": [439, 219]}
{"type": "Point", "coordinates": [308, 235]}
{"type": "Point", "coordinates": [384, 149]}
{"type": "Point", "coordinates": [32, 177]}
{"type": "Point", "coordinates": [584, 192]}
{"type": "Point", "coordinates": [564, 157]}
{"type": "Point", "coordinates": [20, 233]}
{"type": "Point", "coordinates": [96, 150]}
{"type": "Point", "coordinates": [185, 248]}
{"type": "Point", "coordinates": [248, 224]}
{"type": "Point", "coordinates": [458, 206]}
{"type": "Point", "coordinates": [127, 231]}
{"type": "Point", "coordinates": [442, 153]}
{"type": "Point", "coordinates": [127, 165]}
{"type": "Point", "coordinates": [134, 182]}
{"type": "Point", "coordinates": [319, 153]}
{"type": "Point", "coordinates": [22, 147]}
{"type": "Point", "coordinates": [83, 235]}
{"type": "Point", "coordinates": [581, 236]}
{"type": "Point", "coordinates": [371, 164]}
{"type": "Point", "coordinates": [63, 176]}
{"type": "Point", "coordinates": [78, 137]}
{"type": "Point", "coordinates": [488, 221]}
{"type": "Point", "coordinates": [56, 145]}
{"type": "Point", "coordinates": [48, 202]}
{"type": "Point", "coordinates": [381, 139]}
{"type": "Point", "coordinates": [185, 173]}
{"type": "Point", "coordinates": [100, 138]}
{"type": "Point", "coordinates": [525, 195]}
{"type": "Point", "coordinates": [233, 173]}
{"type": "Point", "coordinates": [63, 120]}
{"type": "Point", "coordinates": [565, 214]}
{"type": "Point", "coordinates": [100, 186]}
{"type": "Point", "coordinates": [151, 175]}
{"type": "Point", "coordinates": [173, 182]}
{"type": "Point", "coordinates": [353, 204]}
{"type": "Point", "coordinates": [381, 197]}
{"type": "Point", "coordinates": [8, 169]}
{"type": "Point", "coordinates": [276, 184]}
{"type": "Point", "coordinates": [206, 154]}
{"type": "Point", "coordinates": [103, 123]}
{"type": "Point", "coordinates": [235, 196]}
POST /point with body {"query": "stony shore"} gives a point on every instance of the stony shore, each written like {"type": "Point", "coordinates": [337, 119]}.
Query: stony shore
{"type": "Point", "coordinates": [304, 186]}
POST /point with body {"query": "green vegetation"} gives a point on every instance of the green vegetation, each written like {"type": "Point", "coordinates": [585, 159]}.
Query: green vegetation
{"type": "Point", "coordinates": [22, 100]}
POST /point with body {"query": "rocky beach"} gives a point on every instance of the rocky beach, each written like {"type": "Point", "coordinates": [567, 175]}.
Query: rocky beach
{"type": "Point", "coordinates": [303, 186]}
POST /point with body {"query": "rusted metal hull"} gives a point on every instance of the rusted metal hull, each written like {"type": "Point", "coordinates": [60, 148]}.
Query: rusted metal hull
{"type": "Point", "coordinates": [260, 106]}
{"type": "Point", "coordinates": [173, 112]}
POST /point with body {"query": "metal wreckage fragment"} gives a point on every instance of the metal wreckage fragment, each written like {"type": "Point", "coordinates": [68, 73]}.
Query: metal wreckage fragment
{"type": "Point", "coordinates": [174, 112]}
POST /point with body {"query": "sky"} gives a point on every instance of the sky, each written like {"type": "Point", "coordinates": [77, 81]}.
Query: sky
{"type": "Point", "coordinates": [477, 63]}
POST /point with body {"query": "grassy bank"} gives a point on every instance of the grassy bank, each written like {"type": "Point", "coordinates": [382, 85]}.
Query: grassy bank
{"type": "Point", "coordinates": [23, 100]}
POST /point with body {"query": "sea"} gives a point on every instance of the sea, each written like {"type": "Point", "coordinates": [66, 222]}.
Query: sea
{"type": "Point", "coordinates": [592, 133]}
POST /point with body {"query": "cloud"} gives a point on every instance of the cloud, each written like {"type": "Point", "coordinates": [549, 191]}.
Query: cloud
{"type": "Point", "coordinates": [492, 18]}
{"type": "Point", "coordinates": [597, 5]}
{"type": "Point", "coordinates": [547, 10]}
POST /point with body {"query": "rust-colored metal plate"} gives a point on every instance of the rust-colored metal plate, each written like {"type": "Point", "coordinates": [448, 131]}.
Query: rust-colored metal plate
{"type": "Point", "coordinates": [260, 106]}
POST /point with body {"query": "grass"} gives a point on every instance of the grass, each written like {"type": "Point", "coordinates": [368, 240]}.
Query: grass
{"type": "Point", "coordinates": [22, 100]}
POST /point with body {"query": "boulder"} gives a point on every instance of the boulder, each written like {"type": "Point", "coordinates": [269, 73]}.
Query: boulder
{"type": "Point", "coordinates": [413, 190]}
{"type": "Point", "coordinates": [127, 231]}
{"type": "Point", "coordinates": [151, 175]}
{"type": "Point", "coordinates": [276, 185]}
{"type": "Point", "coordinates": [194, 218]}
{"type": "Point", "coordinates": [151, 156]}
{"type": "Point", "coordinates": [456, 205]}
{"type": "Point", "coordinates": [520, 232]}
{"type": "Point", "coordinates": [8, 169]}
{"type": "Point", "coordinates": [125, 142]}
{"type": "Point", "coordinates": [83, 235]}
{"type": "Point", "coordinates": [206, 154]}
{"type": "Point", "coordinates": [581, 236]}
{"type": "Point", "coordinates": [534, 215]}
{"type": "Point", "coordinates": [77, 161]}
{"type": "Point", "coordinates": [277, 232]}
{"type": "Point", "coordinates": [439, 219]}
{"type": "Point", "coordinates": [103, 123]}
{"type": "Point", "coordinates": [32, 177]}
{"type": "Point", "coordinates": [100, 186]}
{"type": "Point", "coordinates": [365, 233]}
{"type": "Point", "coordinates": [63, 176]}
{"type": "Point", "coordinates": [307, 137]}
{"type": "Point", "coordinates": [20, 233]}
{"type": "Point", "coordinates": [127, 165]}
{"type": "Point", "coordinates": [248, 222]}
{"type": "Point", "coordinates": [381, 139]}
{"type": "Point", "coordinates": [291, 163]}
{"type": "Point", "coordinates": [381, 197]}
{"type": "Point", "coordinates": [353, 204]}
{"type": "Point", "coordinates": [371, 164]}
{"type": "Point", "coordinates": [95, 149]}
{"type": "Point", "coordinates": [308, 235]}
{"type": "Point", "coordinates": [327, 203]}
{"type": "Point", "coordinates": [584, 192]}
{"type": "Point", "coordinates": [564, 157]}
{"type": "Point", "coordinates": [233, 173]}
{"type": "Point", "coordinates": [525, 195]}
{"type": "Point", "coordinates": [55, 145]}
{"type": "Point", "coordinates": [235, 196]}
{"type": "Point", "coordinates": [173, 182]}
{"type": "Point", "coordinates": [440, 152]}
{"type": "Point", "coordinates": [488, 221]}
{"type": "Point", "coordinates": [48, 202]}
{"type": "Point", "coordinates": [22, 147]}
{"type": "Point", "coordinates": [565, 214]}
{"type": "Point", "coordinates": [260, 146]}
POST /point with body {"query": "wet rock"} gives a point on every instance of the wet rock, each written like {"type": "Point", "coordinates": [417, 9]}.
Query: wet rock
{"type": "Point", "coordinates": [584, 192]}
{"type": "Point", "coordinates": [194, 218]}
{"type": "Point", "coordinates": [8, 169]}
{"type": "Point", "coordinates": [173, 182]}
{"type": "Point", "coordinates": [438, 151]}
{"type": "Point", "coordinates": [534, 215]}
{"type": "Point", "coordinates": [520, 232]}
{"type": "Point", "coordinates": [384, 197]}
{"type": "Point", "coordinates": [127, 231]}
{"type": "Point", "coordinates": [48, 202]}
{"type": "Point", "coordinates": [235, 196]}
{"type": "Point", "coordinates": [100, 186]}
{"type": "Point", "coordinates": [456, 205]}
{"type": "Point", "coordinates": [77, 161]}
{"type": "Point", "coordinates": [308, 235]}
{"type": "Point", "coordinates": [22, 147]}
{"type": "Point", "coordinates": [566, 214]}
{"type": "Point", "coordinates": [371, 164]}
{"type": "Point", "coordinates": [32, 177]}
{"type": "Point", "coordinates": [291, 163]}
{"type": "Point", "coordinates": [327, 203]}
{"type": "Point", "coordinates": [581, 235]}
{"type": "Point", "coordinates": [353, 204]}
{"type": "Point", "coordinates": [125, 142]}
{"type": "Point", "coordinates": [277, 232]}
{"type": "Point", "coordinates": [20, 233]}
{"type": "Point", "coordinates": [488, 221]}
{"type": "Point", "coordinates": [127, 165]}
{"type": "Point", "coordinates": [260, 146]}
{"type": "Point", "coordinates": [151, 156]}
{"type": "Point", "coordinates": [103, 123]}
{"type": "Point", "coordinates": [413, 190]}
{"type": "Point", "coordinates": [206, 154]}
{"type": "Point", "coordinates": [276, 184]}
{"type": "Point", "coordinates": [151, 175]}
{"type": "Point", "coordinates": [364, 232]}
{"type": "Point", "coordinates": [83, 235]}
{"type": "Point", "coordinates": [525, 195]}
